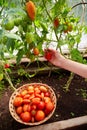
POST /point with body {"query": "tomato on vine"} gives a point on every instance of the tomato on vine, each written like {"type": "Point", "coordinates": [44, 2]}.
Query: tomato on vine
{"type": "Point", "coordinates": [1, 76]}
{"type": "Point", "coordinates": [48, 54]}
{"type": "Point", "coordinates": [36, 51]}
{"type": "Point", "coordinates": [29, 37]}
{"type": "Point", "coordinates": [7, 65]}
{"type": "Point", "coordinates": [56, 22]}
{"type": "Point", "coordinates": [31, 10]}
{"type": "Point", "coordinates": [9, 25]}
{"type": "Point", "coordinates": [68, 27]}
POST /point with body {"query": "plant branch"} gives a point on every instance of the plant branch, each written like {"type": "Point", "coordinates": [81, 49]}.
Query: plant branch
{"type": "Point", "coordinates": [51, 21]}
{"type": "Point", "coordinates": [66, 88]}
{"type": "Point", "coordinates": [79, 4]}
{"type": "Point", "coordinates": [8, 79]}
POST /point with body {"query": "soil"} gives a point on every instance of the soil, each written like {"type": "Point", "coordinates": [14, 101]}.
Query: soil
{"type": "Point", "coordinates": [69, 104]}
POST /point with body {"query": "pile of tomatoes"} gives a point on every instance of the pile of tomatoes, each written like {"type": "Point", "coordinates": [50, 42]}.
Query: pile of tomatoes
{"type": "Point", "coordinates": [34, 103]}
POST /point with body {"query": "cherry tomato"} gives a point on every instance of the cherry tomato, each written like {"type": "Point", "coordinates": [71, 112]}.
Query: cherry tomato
{"type": "Point", "coordinates": [7, 65]}
{"type": "Point", "coordinates": [48, 54]}
{"type": "Point", "coordinates": [36, 51]}
{"type": "Point", "coordinates": [41, 105]}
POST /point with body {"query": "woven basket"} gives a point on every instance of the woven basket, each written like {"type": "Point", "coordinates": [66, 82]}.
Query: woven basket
{"type": "Point", "coordinates": [12, 108]}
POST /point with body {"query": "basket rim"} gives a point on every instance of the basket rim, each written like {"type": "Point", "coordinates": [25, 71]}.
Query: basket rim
{"type": "Point", "coordinates": [12, 108]}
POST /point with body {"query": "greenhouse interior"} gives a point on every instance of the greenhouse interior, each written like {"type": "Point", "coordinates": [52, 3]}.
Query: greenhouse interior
{"type": "Point", "coordinates": [43, 64]}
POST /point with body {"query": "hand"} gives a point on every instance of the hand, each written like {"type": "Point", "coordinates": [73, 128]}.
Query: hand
{"type": "Point", "coordinates": [54, 57]}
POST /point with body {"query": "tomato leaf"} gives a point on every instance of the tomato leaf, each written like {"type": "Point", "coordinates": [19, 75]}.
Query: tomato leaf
{"type": "Point", "coordinates": [12, 35]}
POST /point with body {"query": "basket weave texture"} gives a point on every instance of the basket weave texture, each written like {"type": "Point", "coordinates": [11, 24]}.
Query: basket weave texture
{"type": "Point", "coordinates": [15, 93]}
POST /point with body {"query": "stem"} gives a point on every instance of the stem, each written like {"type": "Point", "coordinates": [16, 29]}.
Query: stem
{"type": "Point", "coordinates": [8, 79]}
{"type": "Point", "coordinates": [79, 4]}
{"type": "Point", "coordinates": [51, 21]}
{"type": "Point", "coordinates": [66, 88]}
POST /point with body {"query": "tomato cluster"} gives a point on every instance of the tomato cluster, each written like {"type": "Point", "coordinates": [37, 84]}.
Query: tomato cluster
{"type": "Point", "coordinates": [34, 103]}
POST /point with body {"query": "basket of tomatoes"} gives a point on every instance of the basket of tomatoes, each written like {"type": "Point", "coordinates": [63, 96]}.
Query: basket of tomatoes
{"type": "Point", "coordinates": [32, 104]}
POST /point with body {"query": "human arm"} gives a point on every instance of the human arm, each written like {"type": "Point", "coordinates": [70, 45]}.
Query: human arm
{"type": "Point", "coordinates": [58, 60]}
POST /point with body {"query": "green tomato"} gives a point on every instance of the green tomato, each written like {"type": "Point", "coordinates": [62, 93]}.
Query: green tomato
{"type": "Point", "coordinates": [9, 25]}
{"type": "Point", "coordinates": [29, 37]}
{"type": "Point", "coordinates": [17, 21]}
{"type": "Point", "coordinates": [1, 76]}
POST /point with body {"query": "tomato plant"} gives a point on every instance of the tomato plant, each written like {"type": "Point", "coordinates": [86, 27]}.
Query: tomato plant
{"type": "Point", "coordinates": [39, 24]}
{"type": "Point", "coordinates": [32, 27]}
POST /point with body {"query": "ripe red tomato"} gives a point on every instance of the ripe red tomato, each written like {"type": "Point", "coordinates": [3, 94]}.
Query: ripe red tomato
{"type": "Point", "coordinates": [26, 101]}
{"type": "Point", "coordinates": [41, 105]}
{"type": "Point", "coordinates": [47, 99]}
{"type": "Point", "coordinates": [49, 106]}
{"type": "Point", "coordinates": [48, 54]}
{"type": "Point", "coordinates": [40, 115]}
{"type": "Point", "coordinates": [36, 101]}
{"type": "Point", "coordinates": [26, 107]}
{"type": "Point", "coordinates": [36, 51]}
{"type": "Point", "coordinates": [19, 110]}
{"type": "Point", "coordinates": [56, 22]}
{"type": "Point", "coordinates": [17, 101]}
{"type": "Point", "coordinates": [26, 96]}
{"type": "Point", "coordinates": [24, 92]}
{"type": "Point", "coordinates": [7, 65]}
{"type": "Point", "coordinates": [25, 116]}
{"type": "Point", "coordinates": [47, 94]}
{"type": "Point", "coordinates": [33, 107]}
{"type": "Point", "coordinates": [33, 112]}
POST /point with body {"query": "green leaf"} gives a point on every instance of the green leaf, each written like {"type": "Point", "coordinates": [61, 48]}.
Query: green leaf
{"type": "Point", "coordinates": [76, 55]}
{"type": "Point", "coordinates": [10, 44]}
{"type": "Point", "coordinates": [19, 55]}
{"type": "Point", "coordinates": [12, 35]}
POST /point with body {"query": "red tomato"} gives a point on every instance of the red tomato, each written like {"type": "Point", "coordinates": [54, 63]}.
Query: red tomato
{"type": "Point", "coordinates": [17, 101]}
{"type": "Point", "coordinates": [49, 106]}
{"type": "Point", "coordinates": [56, 22]}
{"type": "Point", "coordinates": [48, 54]}
{"type": "Point", "coordinates": [26, 96]}
{"type": "Point", "coordinates": [24, 92]}
{"type": "Point", "coordinates": [36, 51]}
{"type": "Point", "coordinates": [19, 110]}
{"type": "Point", "coordinates": [31, 96]}
{"type": "Point", "coordinates": [40, 115]}
{"type": "Point", "coordinates": [30, 88]}
{"type": "Point", "coordinates": [46, 112]}
{"type": "Point", "coordinates": [47, 99]}
{"type": "Point", "coordinates": [25, 116]}
{"type": "Point", "coordinates": [47, 94]}
{"type": "Point", "coordinates": [33, 107]}
{"type": "Point", "coordinates": [37, 95]}
{"type": "Point", "coordinates": [37, 90]}
{"type": "Point", "coordinates": [33, 112]}
{"type": "Point", "coordinates": [26, 101]}
{"type": "Point", "coordinates": [7, 66]}
{"type": "Point", "coordinates": [41, 105]}
{"type": "Point", "coordinates": [26, 107]}
{"type": "Point", "coordinates": [31, 91]}
{"type": "Point", "coordinates": [36, 101]}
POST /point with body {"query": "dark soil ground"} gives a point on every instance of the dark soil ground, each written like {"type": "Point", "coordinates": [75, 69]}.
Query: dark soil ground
{"type": "Point", "coordinates": [69, 104]}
